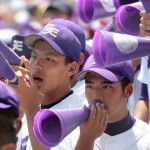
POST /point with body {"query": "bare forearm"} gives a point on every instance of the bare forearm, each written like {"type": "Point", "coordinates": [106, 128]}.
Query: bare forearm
{"type": "Point", "coordinates": [142, 110]}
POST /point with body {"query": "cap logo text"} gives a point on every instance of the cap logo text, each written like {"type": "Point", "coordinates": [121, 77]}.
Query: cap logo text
{"type": "Point", "coordinates": [18, 45]}
{"type": "Point", "coordinates": [50, 29]}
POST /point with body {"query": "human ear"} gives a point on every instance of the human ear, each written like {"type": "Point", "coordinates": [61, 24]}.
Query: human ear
{"type": "Point", "coordinates": [18, 124]}
{"type": "Point", "coordinates": [72, 68]}
{"type": "Point", "coordinates": [82, 58]}
{"type": "Point", "coordinates": [128, 90]}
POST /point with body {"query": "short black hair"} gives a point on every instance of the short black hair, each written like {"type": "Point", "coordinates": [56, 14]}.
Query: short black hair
{"type": "Point", "coordinates": [124, 82]}
{"type": "Point", "coordinates": [8, 131]}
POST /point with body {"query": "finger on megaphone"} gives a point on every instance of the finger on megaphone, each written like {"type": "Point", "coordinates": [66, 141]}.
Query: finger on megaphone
{"type": "Point", "coordinates": [20, 68]}
{"type": "Point", "coordinates": [93, 112]}
{"type": "Point", "coordinates": [144, 33]}
{"type": "Point", "coordinates": [144, 14]}
{"type": "Point", "coordinates": [21, 79]}
{"type": "Point", "coordinates": [101, 118]}
{"type": "Point", "coordinates": [26, 62]}
{"type": "Point", "coordinates": [30, 82]}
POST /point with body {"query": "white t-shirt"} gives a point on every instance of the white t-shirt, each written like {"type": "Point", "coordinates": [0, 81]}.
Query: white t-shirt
{"type": "Point", "coordinates": [72, 101]}
{"type": "Point", "coordinates": [136, 138]}
{"type": "Point", "coordinates": [79, 88]}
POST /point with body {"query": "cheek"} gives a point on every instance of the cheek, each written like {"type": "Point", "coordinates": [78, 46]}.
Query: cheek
{"type": "Point", "coordinates": [89, 95]}
{"type": "Point", "coordinates": [31, 64]}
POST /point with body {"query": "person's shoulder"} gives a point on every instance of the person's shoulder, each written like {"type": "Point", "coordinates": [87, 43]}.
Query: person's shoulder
{"type": "Point", "coordinates": [142, 126]}
{"type": "Point", "coordinates": [71, 101]}
{"type": "Point", "coordinates": [75, 100]}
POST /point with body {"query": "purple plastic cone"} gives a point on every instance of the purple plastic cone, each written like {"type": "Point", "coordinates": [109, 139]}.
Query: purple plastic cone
{"type": "Point", "coordinates": [52, 126]}
{"type": "Point", "coordinates": [95, 9]}
{"type": "Point", "coordinates": [124, 18]}
{"type": "Point", "coordinates": [110, 48]}
{"type": "Point", "coordinates": [6, 70]}
{"type": "Point", "coordinates": [146, 5]}
{"type": "Point", "coordinates": [9, 54]}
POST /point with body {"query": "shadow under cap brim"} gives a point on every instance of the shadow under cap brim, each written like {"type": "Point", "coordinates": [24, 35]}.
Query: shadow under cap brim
{"type": "Point", "coordinates": [108, 75]}
{"type": "Point", "coordinates": [30, 40]}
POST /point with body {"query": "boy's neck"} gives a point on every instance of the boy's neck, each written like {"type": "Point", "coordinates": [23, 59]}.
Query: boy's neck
{"type": "Point", "coordinates": [51, 103]}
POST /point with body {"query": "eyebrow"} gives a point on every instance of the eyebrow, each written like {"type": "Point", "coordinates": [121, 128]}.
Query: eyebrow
{"type": "Point", "coordinates": [49, 53]}
{"type": "Point", "coordinates": [103, 82]}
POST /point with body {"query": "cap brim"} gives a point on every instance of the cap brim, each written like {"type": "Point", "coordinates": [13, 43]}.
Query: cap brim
{"type": "Point", "coordinates": [30, 40]}
{"type": "Point", "coordinates": [4, 106]}
{"type": "Point", "coordinates": [108, 75]}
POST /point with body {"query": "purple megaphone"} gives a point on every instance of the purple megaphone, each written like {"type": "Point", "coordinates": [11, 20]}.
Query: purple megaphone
{"type": "Point", "coordinates": [110, 48]}
{"type": "Point", "coordinates": [6, 70]}
{"type": "Point", "coordinates": [95, 9]}
{"type": "Point", "coordinates": [146, 5]}
{"type": "Point", "coordinates": [124, 18]}
{"type": "Point", "coordinates": [9, 54]}
{"type": "Point", "coordinates": [52, 126]}
{"type": "Point", "coordinates": [19, 47]}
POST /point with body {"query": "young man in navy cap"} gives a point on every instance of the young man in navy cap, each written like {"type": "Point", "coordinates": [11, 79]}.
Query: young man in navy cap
{"type": "Point", "coordinates": [54, 61]}
{"type": "Point", "coordinates": [110, 125]}
{"type": "Point", "coordinates": [10, 123]}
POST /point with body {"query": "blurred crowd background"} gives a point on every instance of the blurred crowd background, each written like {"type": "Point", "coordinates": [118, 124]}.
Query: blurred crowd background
{"type": "Point", "coordinates": [29, 16]}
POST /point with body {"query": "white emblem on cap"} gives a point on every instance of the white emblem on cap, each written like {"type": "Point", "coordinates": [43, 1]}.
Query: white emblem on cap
{"type": "Point", "coordinates": [18, 45]}
{"type": "Point", "coordinates": [94, 63]}
{"type": "Point", "coordinates": [126, 44]}
{"type": "Point", "coordinates": [50, 29]}
{"type": "Point", "coordinates": [108, 5]}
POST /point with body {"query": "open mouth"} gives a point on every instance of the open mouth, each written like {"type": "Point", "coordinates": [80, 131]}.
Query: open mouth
{"type": "Point", "coordinates": [37, 79]}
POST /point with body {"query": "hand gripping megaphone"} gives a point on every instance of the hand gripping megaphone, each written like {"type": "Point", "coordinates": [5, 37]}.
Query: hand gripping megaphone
{"type": "Point", "coordinates": [6, 70]}
{"type": "Point", "coordinates": [110, 47]}
{"type": "Point", "coordinates": [52, 126]}
{"type": "Point", "coordinates": [124, 18]}
{"type": "Point", "coordinates": [10, 55]}
{"type": "Point", "coordinates": [95, 9]}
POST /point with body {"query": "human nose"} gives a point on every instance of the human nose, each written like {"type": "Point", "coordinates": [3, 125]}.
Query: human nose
{"type": "Point", "coordinates": [98, 95]}
{"type": "Point", "coordinates": [37, 64]}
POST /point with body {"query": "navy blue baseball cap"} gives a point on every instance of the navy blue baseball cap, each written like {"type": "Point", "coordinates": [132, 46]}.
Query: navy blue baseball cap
{"type": "Point", "coordinates": [19, 47]}
{"type": "Point", "coordinates": [62, 40]}
{"type": "Point", "coordinates": [8, 98]}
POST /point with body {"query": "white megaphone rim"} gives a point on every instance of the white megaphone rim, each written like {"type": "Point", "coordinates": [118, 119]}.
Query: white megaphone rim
{"type": "Point", "coordinates": [40, 116]}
